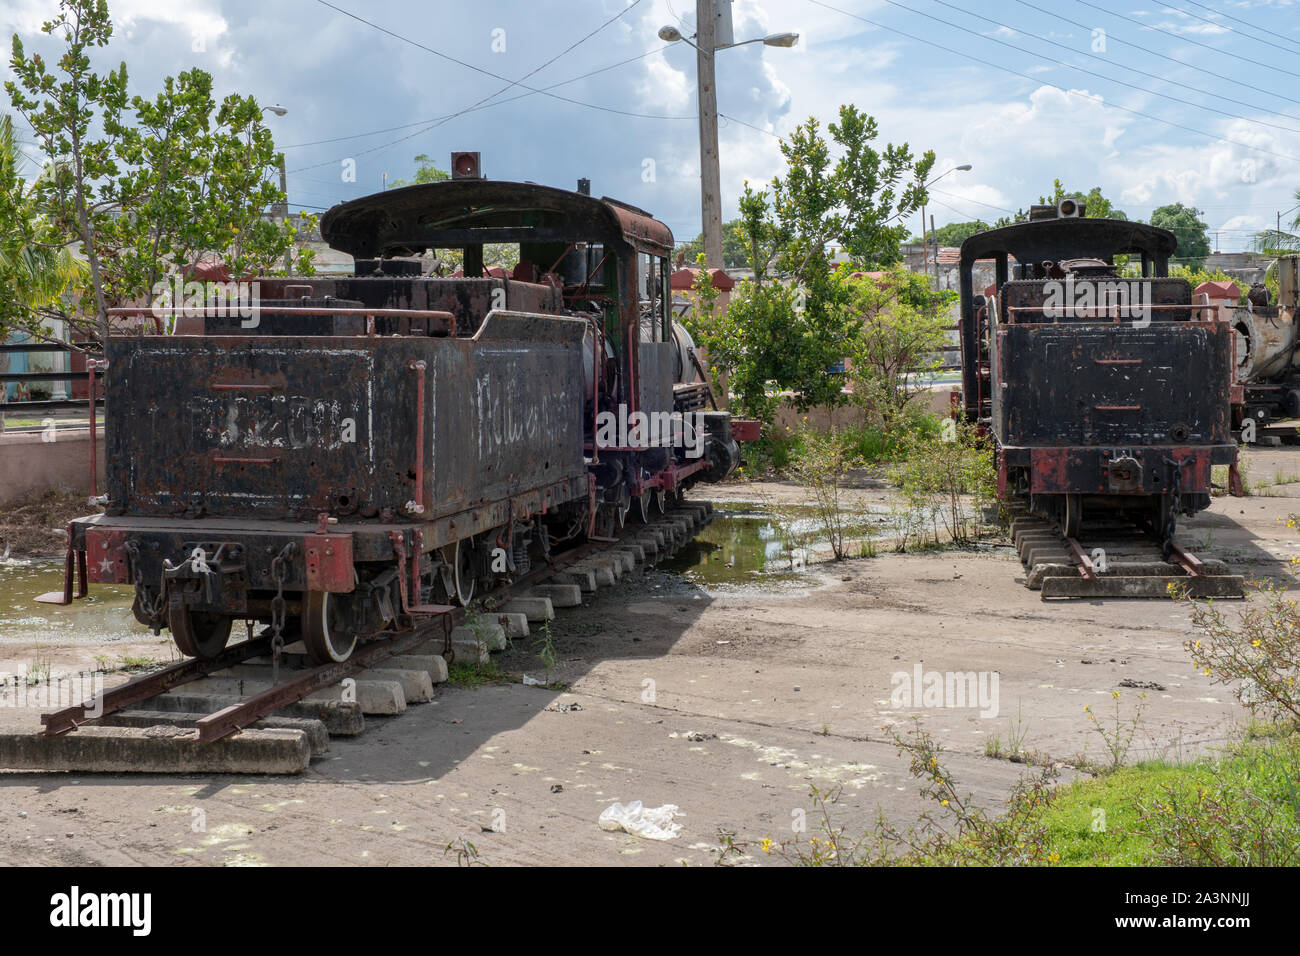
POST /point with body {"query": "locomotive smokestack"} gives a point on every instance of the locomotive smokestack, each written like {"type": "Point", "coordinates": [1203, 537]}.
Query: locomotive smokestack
{"type": "Point", "coordinates": [584, 187]}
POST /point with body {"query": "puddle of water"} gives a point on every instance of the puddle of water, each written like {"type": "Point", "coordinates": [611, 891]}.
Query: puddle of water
{"type": "Point", "coordinates": [103, 616]}
{"type": "Point", "coordinates": [742, 549]}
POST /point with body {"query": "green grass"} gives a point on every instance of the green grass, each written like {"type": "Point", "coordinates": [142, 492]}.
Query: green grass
{"type": "Point", "coordinates": [465, 674]}
{"type": "Point", "coordinates": [1132, 835]}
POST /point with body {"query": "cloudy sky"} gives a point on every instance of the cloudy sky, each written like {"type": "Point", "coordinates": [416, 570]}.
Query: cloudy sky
{"type": "Point", "coordinates": [1154, 103]}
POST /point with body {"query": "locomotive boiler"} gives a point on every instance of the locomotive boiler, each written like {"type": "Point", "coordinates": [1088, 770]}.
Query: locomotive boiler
{"type": "Point", "coordinates": [357, 452]}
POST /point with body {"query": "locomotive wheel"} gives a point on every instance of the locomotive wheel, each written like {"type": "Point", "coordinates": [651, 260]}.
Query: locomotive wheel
{"type": "Point", "coordinates": [643, 507]}
{"type": "Point", "coordinates": [1071, 515]}
{"type": "Point", "coordinates": [660, 505]}
{"type": "Point", "coordinates": [623, 507]}
{"type": "Point", "coordinates": [199, 634]}
{"type": "Point", "coordinates": [329, 627]}
{"type": "Point", "coordinates": [462, 564]}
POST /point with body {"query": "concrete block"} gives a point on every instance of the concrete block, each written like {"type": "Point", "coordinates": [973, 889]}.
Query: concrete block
{"type": "Point", "coordinates": [515, 625]}
{"type": "Point", "coordinates": [382, 698]}
{"type": "Point", "coordinates": [470, 652]}
{"type": "Point", "coordinates": [535, 608]}
{"type": "Point", "coordinates": [340, 719]}
{"type": "Point", "coordinates": [632, 548]}
{"type": "Point", "coordinates": [575, 574]}
{"type": "Point", "coordinates": [561, 595]}
{"type": "Point", "coordinates": [317, 734]}
{"type": "Point", "coordinates": [604, 575]}
{"type": "Point", "coordinates": [608, 562]}
{"type": "Point", "coordinates": [158, 749]}
{"type": "Point", "coordinates": [432, 664]}
{"type": "Point", "coordinates": [485, 631]}
{"type": "Point", "coordinates": [417, 686]}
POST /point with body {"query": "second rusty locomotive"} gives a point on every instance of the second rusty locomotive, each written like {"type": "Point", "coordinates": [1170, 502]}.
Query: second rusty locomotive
{"type": "Point", "coordinates": [1104, 393]}
{"type": "Point", "coordinates": [364, 450]}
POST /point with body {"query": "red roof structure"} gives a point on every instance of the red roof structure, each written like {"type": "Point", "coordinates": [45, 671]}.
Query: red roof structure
{"type": "Point", "coordinates": [685, 279]}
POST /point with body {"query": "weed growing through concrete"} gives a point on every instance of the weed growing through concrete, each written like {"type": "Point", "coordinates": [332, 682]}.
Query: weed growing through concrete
{"type": "Point", "coordinates": [821, 470]}
{"type": "Point", "coordinates": [1117, 732]}
{"type": "Point", "coordinates": [546, 651]}
{"type": "Point", "coordinates": [38, 671]}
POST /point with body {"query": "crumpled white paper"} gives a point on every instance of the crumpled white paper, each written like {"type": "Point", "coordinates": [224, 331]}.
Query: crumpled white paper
{"type": "Point", "coordinates": [652, 823]}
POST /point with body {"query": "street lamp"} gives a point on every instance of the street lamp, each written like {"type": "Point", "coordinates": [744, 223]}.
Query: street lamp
{"type": "Point", "coordinates": [279, 110]}
{"type": "Point", "coordinates": [710, 174]}
{"type": "Point", "coordinates": [284, 179]}
{"type": "Point", "coordinates": [925, 243]}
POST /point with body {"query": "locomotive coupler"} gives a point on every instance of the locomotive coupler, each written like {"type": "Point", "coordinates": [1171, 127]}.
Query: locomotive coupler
{"type": "Point", "coordinates": [211, 576]}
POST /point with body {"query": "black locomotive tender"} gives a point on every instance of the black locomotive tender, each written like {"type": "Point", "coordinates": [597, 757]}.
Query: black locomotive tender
{"type": "Point", "coordinates": [381, 446]}
{"type": "Point", "coordinates": [1103, 395]}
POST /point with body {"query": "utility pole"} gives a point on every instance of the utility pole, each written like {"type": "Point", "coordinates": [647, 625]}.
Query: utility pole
{"type": "Point", "coordinates": [936, 252]}
{"type": "Point", "coordinates": [706, 23]}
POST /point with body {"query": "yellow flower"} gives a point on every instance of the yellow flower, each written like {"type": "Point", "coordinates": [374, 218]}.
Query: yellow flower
{"type": "Point", "coordinates": [1254, 643]}
{"type": "Point", "coordinates": [943, 803]}
{"type": "Point", "coordinates": [766, 846]}
{"type": "Point", "coordinates": [1115, 694]}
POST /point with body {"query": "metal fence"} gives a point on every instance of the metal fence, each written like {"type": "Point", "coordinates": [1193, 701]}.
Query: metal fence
{"type": "Point", "coordinates": [52, 404]}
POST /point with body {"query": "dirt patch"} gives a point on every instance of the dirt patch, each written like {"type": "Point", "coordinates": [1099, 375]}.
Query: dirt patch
{"type": "Point", "coordinates": [34, 528]}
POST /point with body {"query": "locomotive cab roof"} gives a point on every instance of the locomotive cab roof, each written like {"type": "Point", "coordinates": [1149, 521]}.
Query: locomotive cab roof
{"type": "Point", "coordinates": [1072, 238]}
{"type": "Point", "coordinates": [459, 212]}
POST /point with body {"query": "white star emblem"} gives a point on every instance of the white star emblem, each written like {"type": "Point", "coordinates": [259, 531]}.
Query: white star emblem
{"type": "Point", "coordinates": [105, 567]}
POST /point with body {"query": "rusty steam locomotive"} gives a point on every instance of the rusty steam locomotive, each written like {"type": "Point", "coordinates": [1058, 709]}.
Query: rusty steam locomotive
{"type": "Point", "coordinates": [1103, 394]}
{"type": "Point", "coordinates": [360, 451]}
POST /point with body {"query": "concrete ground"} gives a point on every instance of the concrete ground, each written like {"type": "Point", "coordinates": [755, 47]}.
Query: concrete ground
{"type": "Point", "coordinates": [728, 705]}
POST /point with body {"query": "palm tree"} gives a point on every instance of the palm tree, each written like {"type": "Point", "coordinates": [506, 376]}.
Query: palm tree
{"type": "Point", "coordinates": [1275, 242]}
{"type": "Point", "coordinates": [36, 269]}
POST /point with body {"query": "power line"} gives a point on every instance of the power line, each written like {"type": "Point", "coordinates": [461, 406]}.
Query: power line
{"type": "Point", "coordinates": [758, 129]}
{"type": "Point", "coordinates": [1216, 23]}
{"type": "Point", "coordinates": [1229, 16]}
{"type": "Point", "coordinates": [977, 202]}
{"type": "Point", "coordinates": [1146, 52]}
{"type": "Point", "coordinates": [394, 129]}
{"type": "Point", "coordinates": [1132, 69]}
{"type": "Point", "coordinates": [509, 83]}
{"type": "Point", "coordinates": [1179, 37]}
{"type": "Point", "coordinates": [1033, 79]}
{"type": "Point", "coordinates": [1078, 69]}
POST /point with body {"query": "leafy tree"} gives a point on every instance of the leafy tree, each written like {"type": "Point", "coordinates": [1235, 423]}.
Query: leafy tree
{"type": "Point", "coordinates": [955, 233]}
{"type": "Point", "coordinates": [903, 328]}
{"type": "Point", "coordinates": [142, 198]}
{"type": "Point", "coordinates": [1185, 222]}
{"type": "Point", "coordinates": [425, 172]}
{"type": "Point", "coordinates": [734, 252]}
{"type": "Point", "coordinates": [789, 335]}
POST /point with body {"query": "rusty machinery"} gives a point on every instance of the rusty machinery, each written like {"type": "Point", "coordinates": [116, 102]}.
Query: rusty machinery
{"type": "Point", "coordinates": [1104, 395]}
{"type": "Point", "coordinates": [363, 451]}
{"type": "Point", "coordinates": [1268, 356]}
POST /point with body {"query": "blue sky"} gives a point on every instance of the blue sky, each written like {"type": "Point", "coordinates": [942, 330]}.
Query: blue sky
{"type": "Point", "coordinates": [985, 83]}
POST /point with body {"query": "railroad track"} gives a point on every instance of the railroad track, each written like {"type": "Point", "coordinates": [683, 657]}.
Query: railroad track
{"type": "Point", "coordinates": [243, 712]}
{"type": "Point", "coordinates": [1113, 557]}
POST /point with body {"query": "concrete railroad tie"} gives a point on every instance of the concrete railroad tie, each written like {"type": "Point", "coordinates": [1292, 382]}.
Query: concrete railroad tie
{"type": "Point", "coordinates": [560, 595]}
{"type": "Point", "coordinates": [533, 608]}
{"type": "Point", "coordinates": [157, 749]}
